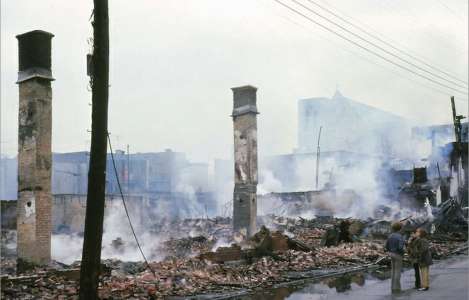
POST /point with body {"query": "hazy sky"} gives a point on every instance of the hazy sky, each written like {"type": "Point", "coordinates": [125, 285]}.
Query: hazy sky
{"type": "Point", "coordinates": [173, 64]}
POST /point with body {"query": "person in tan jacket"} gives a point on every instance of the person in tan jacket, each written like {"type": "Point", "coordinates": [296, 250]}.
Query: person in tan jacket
{"type": "Point", "coordinates": [424, 257]}
{"type": "Point", "coordinates": [412, 251]}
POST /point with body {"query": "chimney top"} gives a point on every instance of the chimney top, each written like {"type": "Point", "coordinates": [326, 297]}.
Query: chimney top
{"type": "Point", "coordinates": [244, 87]}
{"type": "Point", "coordinates": [34, 55]}
{"type": "Point", "coordinates": [244, 100]}
{"type": "Point", "coordinates": [35, 32]}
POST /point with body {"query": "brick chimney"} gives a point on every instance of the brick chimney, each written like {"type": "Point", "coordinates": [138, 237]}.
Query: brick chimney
{"type": "Point", "coordinates": [34, 149]}
{"type": "Point", "coordinates": [245, 159]}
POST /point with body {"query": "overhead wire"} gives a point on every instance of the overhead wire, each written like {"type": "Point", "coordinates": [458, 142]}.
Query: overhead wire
{"type": "Point", "coordinates": [369, 50]}
{"type": "Point", "coordinates": [452, 12]}
{"type": "Point", "coordinates": [386, 42]}
{"type": "Point", "coordinates": [377, 46]}
{"type": "Point", "coordinates": [125, 207]}
{"type": "Point", "coordinates": [363, 57]}
{"type": "Point", "coordinates": [398, 43]}
{"type": "Point", "coordinates": [414, 15]}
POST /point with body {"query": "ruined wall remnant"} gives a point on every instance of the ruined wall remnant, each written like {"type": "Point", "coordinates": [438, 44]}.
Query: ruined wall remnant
{"type": "Point", "coordinates": [34, 148]}
{"type": "Point", "coordinates": [245, 157]}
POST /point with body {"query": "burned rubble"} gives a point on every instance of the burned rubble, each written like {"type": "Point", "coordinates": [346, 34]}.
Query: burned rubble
{"type": "Point", "coordinates": [213, 262]}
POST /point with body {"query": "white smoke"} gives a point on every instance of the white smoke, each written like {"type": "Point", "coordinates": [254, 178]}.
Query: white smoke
{"type": "Point", "coordinates": [67, 248]}
{"type": "Point", "coordinates": [268, 183]}
{"type": "Point", "coordinates": [348, 187]}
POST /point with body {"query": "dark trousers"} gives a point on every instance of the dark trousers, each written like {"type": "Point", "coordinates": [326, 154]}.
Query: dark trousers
{"type": "Point", "coordinates": [417, 275]}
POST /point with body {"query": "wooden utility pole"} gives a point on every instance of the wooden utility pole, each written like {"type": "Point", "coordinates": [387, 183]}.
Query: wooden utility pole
{"type": "Point", "coordinates": [318, 156]}
{"type": "Point", "coordinates": [91, 257]}
{"type": "Point", "coordinates": [456, 122]}
{"type": "Point", "coordinates": [457, 145]}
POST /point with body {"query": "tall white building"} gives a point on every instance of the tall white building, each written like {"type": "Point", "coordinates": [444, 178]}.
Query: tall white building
{"type": "Point", "coordinates": [348, 125]}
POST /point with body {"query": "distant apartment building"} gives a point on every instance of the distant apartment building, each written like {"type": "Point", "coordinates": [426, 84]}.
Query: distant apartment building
{"type": "Point", "coordinates": [70, 172]}
{"type": "Point", "coordinates": [139, 173]}
{"type": "Point", "coordinates": [439, 135]}
{"type": "Point", "coordinates": [354, 136]}
{"type": "Point", "coordinates": [348, 125]}
{"type": "Point", "coordinates": [8, 178]}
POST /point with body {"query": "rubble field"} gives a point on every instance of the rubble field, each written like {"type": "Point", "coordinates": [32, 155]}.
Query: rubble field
{"type": "Point", "coordinates": [284, 249]}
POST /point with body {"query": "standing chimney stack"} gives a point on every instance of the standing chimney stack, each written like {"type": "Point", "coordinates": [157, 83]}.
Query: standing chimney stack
{"type": "Point", "coordinates": [34, 149]}
{"type": "Point", "coordinates": [245, 159]}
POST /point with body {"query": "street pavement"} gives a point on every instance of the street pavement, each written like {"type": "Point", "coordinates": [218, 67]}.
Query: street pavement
{"type": "Point", "coordinates": [449, 280]}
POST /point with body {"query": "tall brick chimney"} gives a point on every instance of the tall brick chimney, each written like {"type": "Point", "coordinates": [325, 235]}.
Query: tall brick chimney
{"type": "Point", "coordinates": [245, 159]}
{"type": "Point", "coordinates": [34, 149]}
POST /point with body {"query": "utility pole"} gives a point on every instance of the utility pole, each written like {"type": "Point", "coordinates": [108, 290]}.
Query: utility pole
{"type": "Point", "coordinates": [318, 155]}
{"type": "Point", "coordinates": [457, 135]}
{"type": "Point", "coordinates": [456, 122]}
{"type": "Point", "coordinates": [457, 145]}
{"type": "Point", "coordinates": [91, 256]}
{"type": "Point", "coordinates": [128, 169]}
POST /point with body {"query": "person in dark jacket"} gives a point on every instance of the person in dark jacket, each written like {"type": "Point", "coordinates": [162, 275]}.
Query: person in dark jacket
{"type": "Point", "coordinates": [412, 251]}
{"type": "Point", "coordinates": [344, 234]}
{"type": "Point", "coordinates": [424, 258]}
{"type": "Point", "coordinates": [395, 249]}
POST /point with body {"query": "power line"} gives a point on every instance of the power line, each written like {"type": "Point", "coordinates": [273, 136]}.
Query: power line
{"type": "Point", "coordinates": [369, 60]}
{"type": "Point", "coordinates": [385, 42]}
{"type": "Point", "coordinates": [369, 50]}
{"type": "Point", "coordinates": [392, 40]}
{"type": "Point", "coordinates": [451, 11]}
{"type": "Point", "coordinates": [125, 207]}
{"type": "Point", "coordinates": [411, 13]}
{"type": "Point", "coordinates": [377, 46]}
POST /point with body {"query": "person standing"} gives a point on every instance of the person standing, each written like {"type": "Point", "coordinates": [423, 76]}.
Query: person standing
{"type": "Point", "coordinates": [424, 258]}
{"type": "Point", "coordinates": [395, 248]}
{"type": "Point", "coordinates": [344, 234]}
{"type": "Point", "coordinates": [414, 256]}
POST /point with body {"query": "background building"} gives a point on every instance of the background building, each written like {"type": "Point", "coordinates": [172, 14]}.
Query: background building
{"type": "Point", "coordinates": [8, 178]}
{"type": "Point", "coordinates": [159, 173]}
{"type": "Point", "coordinates": [348, 125]}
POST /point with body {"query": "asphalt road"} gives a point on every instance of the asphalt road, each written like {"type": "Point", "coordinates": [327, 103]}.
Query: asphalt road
{"type": "Point", "coordinates": [449, 280]}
